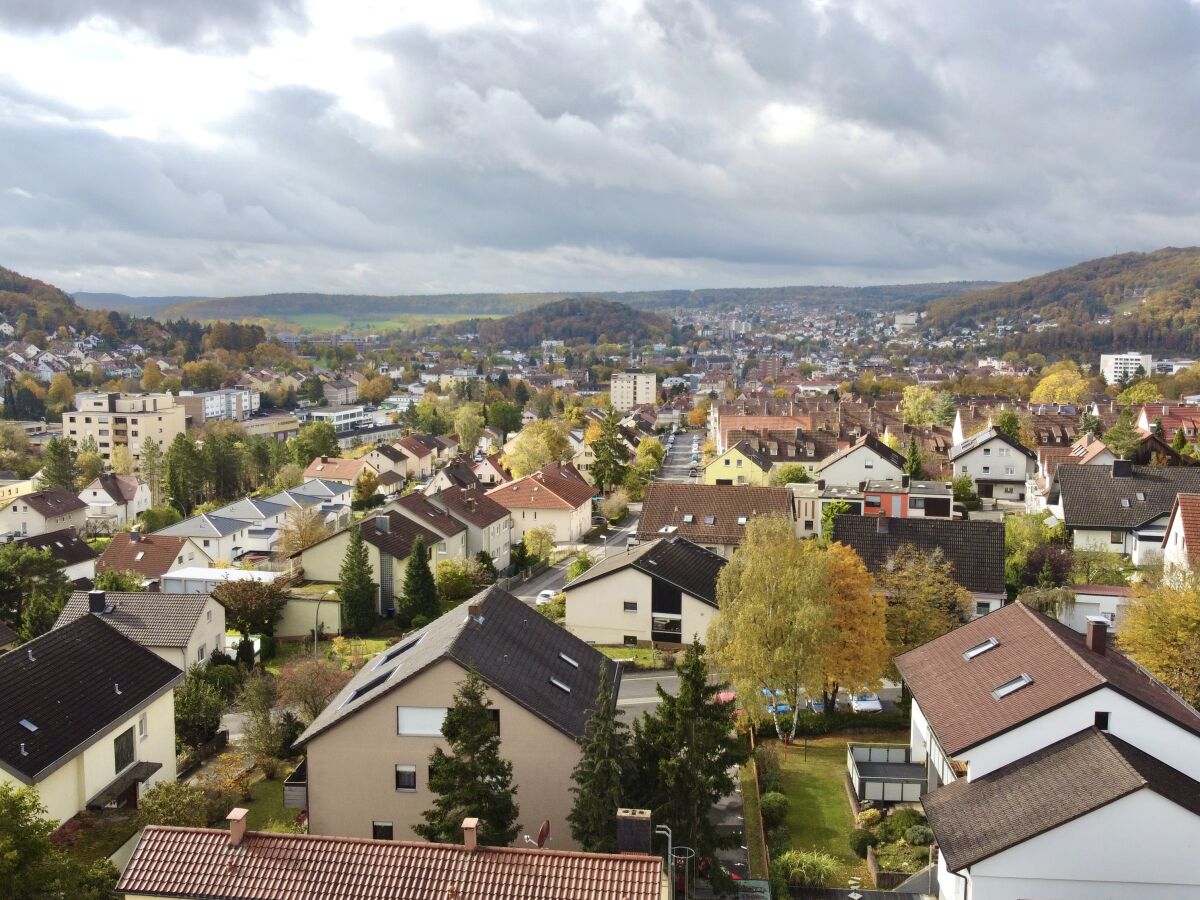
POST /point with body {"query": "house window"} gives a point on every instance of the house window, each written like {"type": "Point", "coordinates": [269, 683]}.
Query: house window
{"type": "Point", "coordinates": [630, 640]}
{"type": "Point", "coordinates": [1116, 537]}
{"type": "Point", "coordinates": [726, 462]}
{"type": "Point", "coordinates": [206, 542]}
{"type": "Point", "coordinates": [142, 727]}
{"type": "Point", "coordinates": [420, 721]}
{"type": "Point", "coordinates": [916, 503]}
{"type": "Point", "coordinates": [1012, 686]}
{"type": "Point", "coordinates": [381, 831]}
{"type": "Point", "coordinates": [495, 720]}
{"type": "Point", "coordinates": [200, 653]}
{"type": "Point", "coordinates": [208, 616]}
{"type": "Point", "coordinates": [630, 606]}
{"type": "Point", "coordinates": [987, 451]}
{"type": "Point", "coordinates": [1102, 721]}
{"type": "Point", "coordinates": [964, 470]}
{"type": "Point", "coordinates": [406, 778]}
{"type": "Point", "coordinates": [983, 608]}
{"type": "Point", "coordinates": [123, 755]}
{"type": "Point", "coordinates": [808, 524]}
{"type": "Point", "coordinates": [987, 469]}
{"type": "Point", "coordinates": [872, 503]}
{"type": "Point", "coordinates": [868, 464]}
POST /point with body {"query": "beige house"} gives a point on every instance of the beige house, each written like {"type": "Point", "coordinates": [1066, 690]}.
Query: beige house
{"type": "Point", "coordinates": [184, 629]}
{"type": "Point", "coordinates": [52, 509]}
{"type": "Point", "coordinates": [453, 533]}
{"type": "Point", "coordinates": [367, 754]}
{"type": "Point", "coordinates": [489, 525]}
{"type": "Point", "coordinates": [114, 500]}
{"type": "Point", "coordinates": [555, 497]}
{"type": "Point", "coordinates": [87, 716]}
{"type": "Point", "coordinates": [660, 592]}
{"type": "Point", "coordinates": [386, 458]}
{"type": "Point", "coordinates": [113, 419]}
{"type": "Point", "coordinates": [420, 457]}
{"type": "Point", "coordinates": [337, 469]}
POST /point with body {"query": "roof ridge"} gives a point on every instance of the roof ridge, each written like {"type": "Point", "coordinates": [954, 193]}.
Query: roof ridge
{"type": "Point", "coordinates": [1037, 617]}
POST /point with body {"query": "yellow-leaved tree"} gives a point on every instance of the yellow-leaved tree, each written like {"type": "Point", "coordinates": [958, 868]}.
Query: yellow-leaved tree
{"type": "Point", "coordinates": [1061, 383]}
{"type": "Point", "coordinates": [539, 442]}
{"type": "Point", "coordinates": [1161, 630]}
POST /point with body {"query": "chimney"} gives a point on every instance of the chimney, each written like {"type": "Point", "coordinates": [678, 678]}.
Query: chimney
{"type": "Point", "coordinates": [633, 831]}
{"type": "Point", "coordinates": [1097, 634]}
{"type": "Point", "coordinates": [97, 602]}
{"type": "Point", "coordinates": [881, 524]}
{"type": "Point", "coordinates": [383, 524]}
{"type": "Point", "coordinates": [904, 481]}
{"type": "Point", "coordinates": [470, 829]}
{"type": "Point", "coordinates": [237, 826]}
{"type": "Point", "coordinates": [475, 609]}
{"type": "Point", "coordinates": [1122, 468]}
{"type": "Point", "coordinates": [134, 536]}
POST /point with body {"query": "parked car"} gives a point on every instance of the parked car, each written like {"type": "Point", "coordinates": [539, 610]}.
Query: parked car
{"type": "Point", "coordinates": [818, 705]}
{"type": "Point", "coordinates": [546, 597]}
{"type": "Point", "coordinates": [599, 522]}
{"type": "Point", "coordinates": [866, 703]}
{"type": "Point", "coordinates": [775, 701]}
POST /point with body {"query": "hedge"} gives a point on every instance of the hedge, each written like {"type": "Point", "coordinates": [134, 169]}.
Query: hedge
{"type": "Point", "coordinates": [817, 724]}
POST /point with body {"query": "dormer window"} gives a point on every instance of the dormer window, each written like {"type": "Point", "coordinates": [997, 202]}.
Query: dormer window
{"type": "Point", "coordinates": [1011, 687]}
{"type": "Point", "coordinates": [981, 648]}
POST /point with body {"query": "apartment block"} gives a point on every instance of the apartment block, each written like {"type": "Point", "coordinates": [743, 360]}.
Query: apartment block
{"type": "Point", "coordinates": [630, 389]}
{"type": "Point", "coordinates": [113, 419]}
{"type": "Point", "coordinates": [1119, 366]}
{"type": "Point", "coordinates": [229, 404]}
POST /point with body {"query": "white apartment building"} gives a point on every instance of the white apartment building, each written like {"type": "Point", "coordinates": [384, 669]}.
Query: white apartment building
{"type": "Point", "coordinates": [232, 404]}
{"type": "Point", "coordinates": [112, 419]}
{"type": "Point", "coordinates": [1119, 366]}
{"type": "Point", "coordinates": [342, 418]}
{"type": "Point", "coordinates": [630, 389]}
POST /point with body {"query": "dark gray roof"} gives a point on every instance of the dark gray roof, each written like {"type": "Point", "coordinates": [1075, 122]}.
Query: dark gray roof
{"type": "Point", "coordinates": [978, 440]}
{"type": "Point", "coordinates": [677, 561]}
{"type": "Point", "coordinates": [251, 509]}
{"type": "Point", "coordinates": [205, 525]}
{"type": "Point", "coordinates": [65, 545]}
{"type": "Point", "coordinates": [975, 549]}
{"type": "Point", "coordinates": [515, 649]}
{"type": "Point", "coordinates": [151, 619]}
{"type": "Point", "coordinates": [53, 501]}
{"type": "Point", "coordinates": [65, 683]}
{"type": "Point", "coordinates": [1092, 497]}
{"type": "Point", "coordinates": [973, 820]}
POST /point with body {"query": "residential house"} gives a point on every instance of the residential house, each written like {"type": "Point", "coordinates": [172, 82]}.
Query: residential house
{"type": "Point", "coordinates": [366, 754]}
{"type": "Point", "coordinates": [150, 555]}
{"type": "Point", "coordinates": [975, 549]}
{"type": "Point", "coordinates": [194, 864]}
{"type": "Point", "coordinates": [810, 500]}
{"type": "Point", "coordinates": [52, 509]}
{"type": "Point", "coordinates": [867, 459]}
{"type": "Point", "coordinates": [87, 716]}
{"type": "Point", "coordinates": [490, 470]}
{"type": "Point", "coordinates": [1122, 507]}
{"type": "Point", "coordinates": [489, 525]}
{"type": "Point", "coordinates": [453, 533]}
{"type": "Point", "coordinates": [385, 458]}
{"type": "Point", "coordinates": [420, 457]}
{"type": "Point", "coordinates": [908, 499]}
{"type": "Point", "coordinates": [389, 537]}
{"type": "Point", "coordinates": [1091, 600]}
{"type": "Point", "coordinates": [340, 391]}
{"type": "Point", "coordinates": [459, 472]}
{"type": "Point", "coordinates": [711, 515]}
{"type": "Point", "coordinates": [1181, 539]}
{"type": "Point", "coordinates": [185, 629]}
{"type": "Point", "coordinates": [740, 464]}
{"type": "Point", "coordinates": [555, 497]}
{"type": "Point", "coordinates": [330, 497]}
{"type": "Point", "coordinates": [220, 538]}
{"type": "Point", "coordinates": [74, 555]}
{"type": "Point", "coordinates": [113, 501]}
{"type": "Point", "coordinates": [1037, 741]}
{"type": "Point", "coordinates": [662, 591]}
{"type": "Point", "coordinates": [999, 466]}
{"type": "Point", "coordinates": [335, 468]}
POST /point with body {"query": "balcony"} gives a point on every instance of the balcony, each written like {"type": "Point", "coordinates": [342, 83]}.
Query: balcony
{"type": "Point", "coordinates": [295, 787]}
{"type": "Point", "coordinates": [885, 773]}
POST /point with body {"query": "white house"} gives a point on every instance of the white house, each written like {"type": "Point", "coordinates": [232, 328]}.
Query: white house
{"type": "Point", "coordinates": [221, 538]}
{"type": "Point", "coordinates": [114, 500]}
{"type": "Point", "coordinates": [555, 497]}
{"type": "Point", "coordinates": [867, 459]}
{"type": "Point", "coordinates": [1181, 540]}
{"type": "Point", "coordinates": [52, 509]}
{"type": "Point", "coordinates": [998, 465]}
{"type": "Point", "coordinates": [73, 554]}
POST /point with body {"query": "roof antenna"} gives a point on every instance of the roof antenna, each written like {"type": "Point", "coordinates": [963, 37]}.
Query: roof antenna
{"type": "Point", "coordinates": [24, 752]}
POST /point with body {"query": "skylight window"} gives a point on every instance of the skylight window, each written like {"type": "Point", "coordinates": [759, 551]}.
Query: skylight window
{"type": "Point", "coordinates": [1011, 687]}
{"type": "Point", "coordinates": [365, 689]}
{"type": "Point", "coordinates": [139, 555]}
{"type": "Point", "coordinates": [741, 520]}
{"type": "Point", "coordinates": [689, 519]}
{"type": "Point", "coordinates": [981, 648]}
{"type": "Point", "coordinates": [568, 660]}
{"type": "Point", "coordinates": [398, 649]}
{"type": "Point", "coordinates": [28, 726]}
{"type": "Point", "coordinates": [562, 686]}
{"type": "Point", "coordinates": [1125, 502]}
{"type": "Point", "coordinates": [710, 520]}
{"type": "Point", "coordinates": [1140, 495]}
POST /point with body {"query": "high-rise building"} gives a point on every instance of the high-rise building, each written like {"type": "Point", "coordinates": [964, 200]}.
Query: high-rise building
{"type": "Point", "coordinates": [630, 389]}
{"type": "Point", "coordinates": [112, 419]}
{"type": "Point", "coordinates": [1120, 366]}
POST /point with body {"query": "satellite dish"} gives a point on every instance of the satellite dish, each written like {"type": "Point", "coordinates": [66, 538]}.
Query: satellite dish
{"type": "Point", "coordinates": [543, 834]}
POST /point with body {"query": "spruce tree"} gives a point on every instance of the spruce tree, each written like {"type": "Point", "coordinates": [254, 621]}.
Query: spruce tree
{"type": "Point", "coordinates": [59, 466]}
{"type": "Point", "coordinates": [598, 776]}
{"type": "Point", "coordinates": [472, 780]}
{"type": "Point", "coordinates": [611, 454]}
{"type": "Point", "coordinates": [151, 468]}
{"type": "Point", "coordinates": [1180, 441]}
{"type": "Point", "coordinates": [356, 589]}
{"type": "Point", "coordinates": [913, 467]}
{"type": "Point", "coordinates": [419, 594]}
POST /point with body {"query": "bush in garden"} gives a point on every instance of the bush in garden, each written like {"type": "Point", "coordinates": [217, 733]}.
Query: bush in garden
{"type": "Point", "coordinates": [224, 678]}
{"type": "Point", "coordinates": [173, 803]}
{"type": "Point", "coordinates": [868, 818]}
{"type": "Point", "coordinates": [860, 840]}
{"type": "Point", "coordinates": [770, 765]}
{"type": "Point", "coordinates": [808, 868]}
{"type": "Point", "coordinates": [893, 827]}
{"type": "Point", "coordinates": [919, 835]}
{"type": "Point", "coordinates": [774, 807]}
{"type": "Point", "coordinates": [779, 840]}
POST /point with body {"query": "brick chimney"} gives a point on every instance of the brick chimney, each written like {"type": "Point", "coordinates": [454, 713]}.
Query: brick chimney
{"type": "Point", "coordinates": [237, 826]}
{"type": "Point", "coordinates": [633, 831]}
{"type": "Point", "coordinates": [470, 829]}
{"type": "Point", "coordinates": [1097, 634]}
{"type": "Point", "coordinates": [97, 602]}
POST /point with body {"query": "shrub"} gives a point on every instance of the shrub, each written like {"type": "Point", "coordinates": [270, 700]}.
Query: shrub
{"type": "Point", "coordinates": [290, 728]}
{"type": "Point", "coordinates": [893, 827]}
{"type": "Point", "coordinates": [919, 835]}
{"type": "Point", "coordinates": [808, 868]}
{"type": "Point", "coordinates": [173, 803]}
{"type": "Point", "coordinates": [860, 840]}
{"type": "Point", "coordinates": [774, 807]}
{"type": "Point", "coordinates": [220, 658]}
{"type": "Point", "coordinates": [419, 621]}
{"type": "Point", "coordinates": [245, 653]}
{"type": "Point", "coordinates": [224, 678]}
{"type": "Point", "coordinates": [556, 609]}
{"type": "Point", "coordinates": [901, 856]}
{"type": "Point", "coordinates": [779, 839]}
{"type": "Point", "coordinates": [868, 818]}
{"type": "Point", "coordinates": [267, 647]}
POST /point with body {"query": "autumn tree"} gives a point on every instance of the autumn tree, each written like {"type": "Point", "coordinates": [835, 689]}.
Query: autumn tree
{"type": "Point", "coordinates": [538, 443]}
{"type": "Point", "coordinates": [469, 425]}
{"type": "Point", "coordinates": [122, 460]}
{"type": "Point", "coordinates": [366, 486]}
{"type": "Point", "coordinates": [151, 376]}
{"type": "Point", "coordinates": [301, 529]}
{"type": "Point", "coordinates": [539, 542]}
{"type": "Point", "coordinates": [151, 466]}
{"type": "Point", "coordinates": [1161, 631]}
{"type": "Point", "coordinates": [60, 395]}
{"type": "Point", "coordinates": [251, 607]}
{"type": "Point", "coordinates": [918, 404]}
{"type": "Point", "coordinates": [375, 390]}
{"type": "Point", "coordinates": [59, 466]}
{"type": "Point", "coordinates": [308, 684]}
{"type": "Point", "coordinates": [1061, 383]}
{"type": "Point", "coordinates": [924, 601]}
{"type": "Point", "coordinates": [1140, 392]}
{"type": "Point", "coordinates": [791, 473]}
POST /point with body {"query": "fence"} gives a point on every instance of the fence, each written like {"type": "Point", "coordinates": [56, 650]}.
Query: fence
{"type": "Point", "coordinates": [508, 583]}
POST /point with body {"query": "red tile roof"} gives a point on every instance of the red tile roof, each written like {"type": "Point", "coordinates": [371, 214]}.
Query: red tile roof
{"type": "Point", "coordinates": [200, 863]}
{"type": "Point", "coordinates": [158, 553]}
{"type": "Point", "coordinates": [554, 486]}
{"type": "Point", "coordinates": [1187, 510]}
{"type": "Point", "coordinates": [334, 468]}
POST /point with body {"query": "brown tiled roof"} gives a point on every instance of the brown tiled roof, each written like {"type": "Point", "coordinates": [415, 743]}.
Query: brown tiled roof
{"type": "Point", "coordinates": [471, 504]}
{"type": "Point", "coordinates": [158, 553]}
{"type": "Point", "coordinates": [429, 515]}
{"type": "Point", "coordinates": [151, 619]}
{"type": "Point", "coordinates": [54, 501]}
{"type": "Point", "coordinates": [402, 532]}
{"type": "Point", "coordinates": [200, 863]}
{"type": "Point", "coordinates": [955, 694]}
{"type": "Point", "coordinates": [669, 504]}
{"type": "Point", "coordinates": [554, 486]}
{"type": "Point", "coordinates": [334, 467]}
{"type": "Point", "coordinates": [64, 545]}
{"type": "Point", "coordinates": [121, 488]}
{"type": "Point", "coordinates": [1187, 510]}
{"type": "Point", "coordinates": [413, 446]}
{"type": "Point", "coordinates": [973, 820]}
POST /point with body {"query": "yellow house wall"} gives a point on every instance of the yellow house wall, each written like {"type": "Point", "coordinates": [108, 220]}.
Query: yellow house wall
{"type": "Point", "coordinates": [596, 610]}
{"type": "Point", "coordinates": [302, 612]}
{"type": "Point", "coordinates": [351, 767]}
{"type": "Point", "coordinates": [750, 472]}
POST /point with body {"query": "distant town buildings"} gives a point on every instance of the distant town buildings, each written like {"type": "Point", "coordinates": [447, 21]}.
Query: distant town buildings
{"type": "Point", "coordinates": [114, 419]}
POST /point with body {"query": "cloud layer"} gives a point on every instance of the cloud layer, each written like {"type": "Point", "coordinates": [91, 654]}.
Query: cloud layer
{"type": "Point", "coordinates": [223, 147]}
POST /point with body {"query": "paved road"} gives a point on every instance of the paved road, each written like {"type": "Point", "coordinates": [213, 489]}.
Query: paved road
{"type": "Point", "coordinates": [638, 691]}
{"type": "Point", "coordinates": [677, 463]}
{"type": "Point", "coordinates": [612, 541]}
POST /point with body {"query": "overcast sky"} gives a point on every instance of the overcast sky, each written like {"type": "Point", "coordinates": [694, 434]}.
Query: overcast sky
{"type": "Point", "coordinates": [219, 147]}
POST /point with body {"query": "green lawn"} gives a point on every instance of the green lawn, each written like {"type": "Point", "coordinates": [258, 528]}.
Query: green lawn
{"type": "Point", "coordinates": [819, 815]}
{"type": "Point", "coordinates": [286, 652]}
{"type": "Point", "coordinates": [638, 657]}
{"type": "Point", "coordinates": [266, 805]}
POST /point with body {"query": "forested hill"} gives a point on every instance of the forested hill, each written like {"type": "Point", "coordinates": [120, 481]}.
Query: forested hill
{"type": "Point", "coordinates": [43, 305]}
{"type": "Point", "coordinates": [1148, 301]}
{"type": "Point", "coordinates": [575, 321]}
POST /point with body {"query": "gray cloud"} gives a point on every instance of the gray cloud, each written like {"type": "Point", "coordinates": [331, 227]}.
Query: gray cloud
{"type": "Point", "coordinates": [211, 24]}
{"type": "Point", "coordinates": [564, 145]}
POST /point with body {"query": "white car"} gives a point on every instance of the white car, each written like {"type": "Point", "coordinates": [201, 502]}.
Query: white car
{"type": "Point", "coordinates": [546, 597]}
{"type": "Point", "coordinates": [866, 703]}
